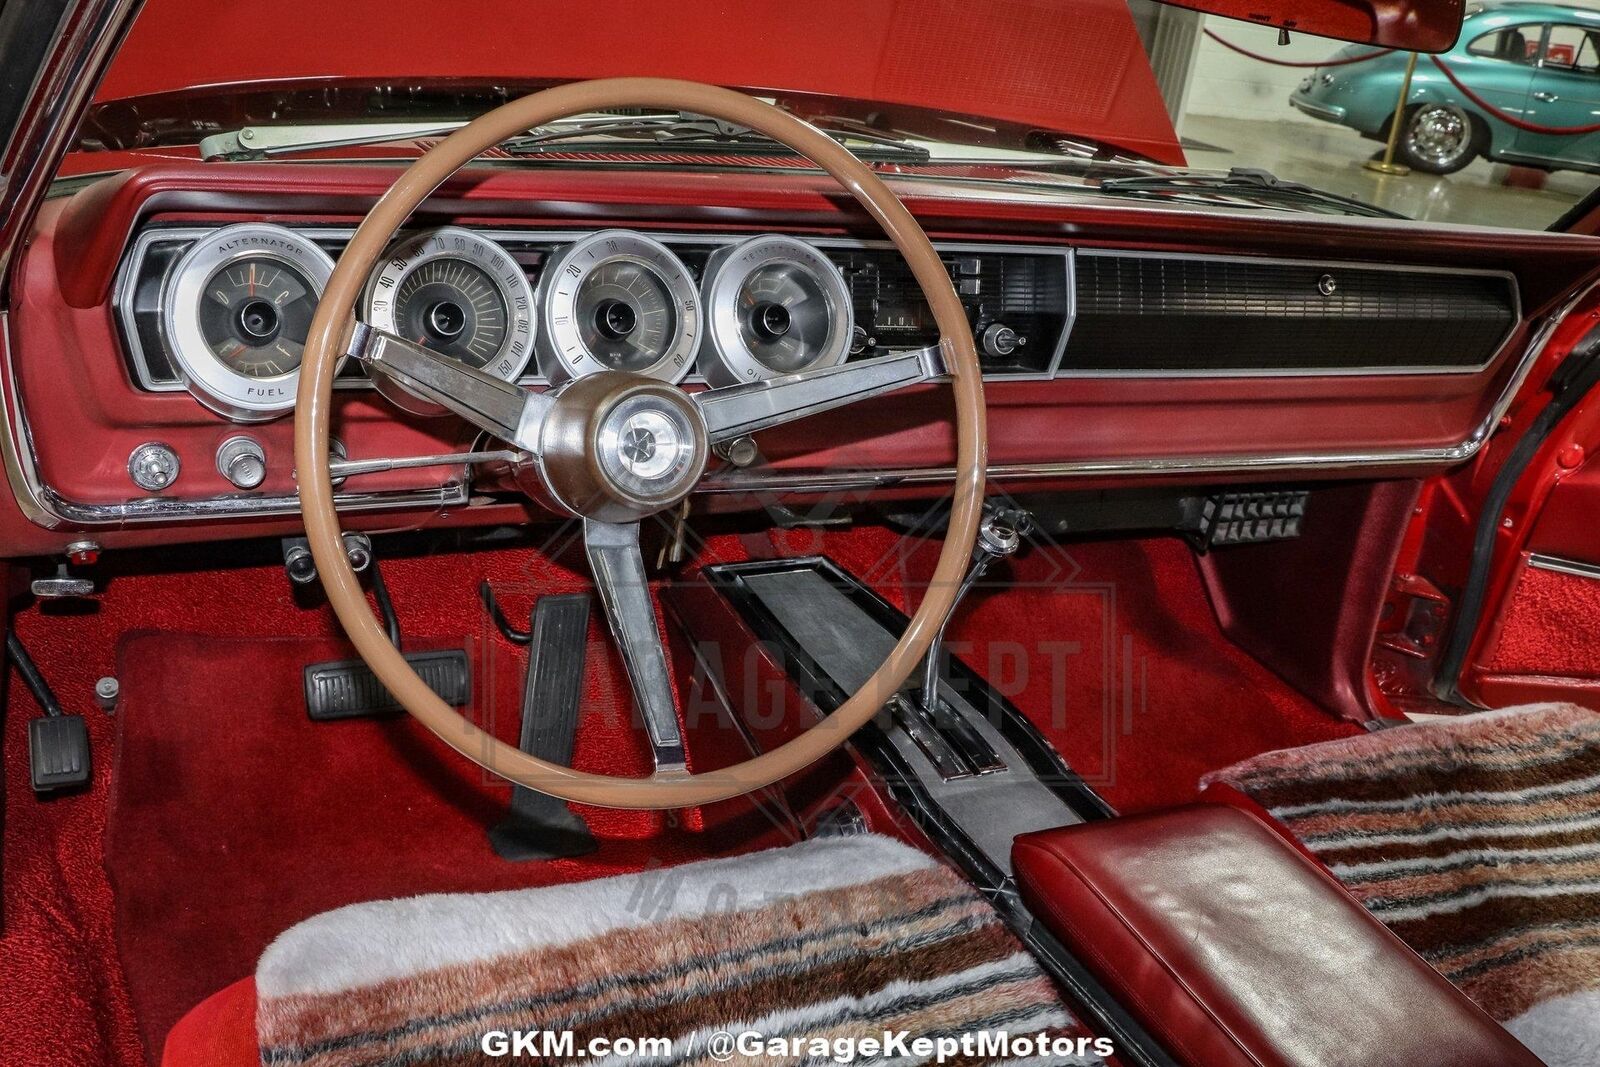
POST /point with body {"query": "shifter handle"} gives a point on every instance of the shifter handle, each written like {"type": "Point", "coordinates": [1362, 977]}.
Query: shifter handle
{"type": "Point", "coordinates": [1000, 534]}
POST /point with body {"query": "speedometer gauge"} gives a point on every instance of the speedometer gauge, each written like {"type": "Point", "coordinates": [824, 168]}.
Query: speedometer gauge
{"type": "Point", "coordinates": [235, 313]}
{"type": "Point", "coordinates": [458, 294]}
{"type": "Point", "coordinates": [775, 305]}
{"type": "Point", "coordinates": [617, 300]}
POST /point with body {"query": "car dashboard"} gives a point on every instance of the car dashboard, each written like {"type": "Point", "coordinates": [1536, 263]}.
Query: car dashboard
{"type": "Point", "coordinates": [152, 346]}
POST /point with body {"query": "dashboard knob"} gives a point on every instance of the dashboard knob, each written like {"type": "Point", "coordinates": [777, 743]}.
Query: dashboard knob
{"type": "Point", "coordinates": [153, 466]}
{"type": "Point", "coordinates": [1000, 340]}
{"type": "Point", "coordinates": [242, 461]}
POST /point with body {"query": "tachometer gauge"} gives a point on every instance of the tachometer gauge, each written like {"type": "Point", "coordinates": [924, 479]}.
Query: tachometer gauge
{"type": "Point", "coordinates": [459, 294]}
{"type": "Point", "coordinates": [236, 310]}
{"type": "Point", "coordinates": [617, 301]}
{"type": "Point", "coordinates": [775, 305]}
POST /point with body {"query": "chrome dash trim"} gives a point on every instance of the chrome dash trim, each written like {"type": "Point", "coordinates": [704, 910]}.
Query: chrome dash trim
{"type": "Point", "coordinates": [176, 509]}
{"type": "Point", "coordinates": [44, 506]}
{"type": "Point", "coordinates": [749, 480]}
{"type": "Point", "coordinates": [829, 481]}
{"type": "Point", "coordinates": [1576, 568]}
{"type": "Point", "coordinates": [47, 508]}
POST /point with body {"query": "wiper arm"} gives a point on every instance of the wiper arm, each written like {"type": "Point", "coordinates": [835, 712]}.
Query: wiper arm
{"type": "Point", "coordinates": [668, 131]}
{"type": "Point", "coordinates": [1246, 181]}
{"type": "Point", "coordinates": [259, 142]}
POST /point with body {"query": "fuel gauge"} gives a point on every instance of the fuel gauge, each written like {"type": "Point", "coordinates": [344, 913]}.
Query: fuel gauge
{"type": "Point", "coordinates": [236, 310]}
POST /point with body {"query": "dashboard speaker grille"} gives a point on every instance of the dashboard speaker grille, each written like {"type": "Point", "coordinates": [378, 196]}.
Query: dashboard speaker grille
{"type": "Point", "coordinates": [1170, 314]}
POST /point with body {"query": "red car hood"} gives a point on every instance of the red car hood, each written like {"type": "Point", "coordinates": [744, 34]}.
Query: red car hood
{"type": "Point", "coordinates": [1069, 66]}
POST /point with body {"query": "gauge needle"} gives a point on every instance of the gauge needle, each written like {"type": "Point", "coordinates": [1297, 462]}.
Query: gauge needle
{"type": "Point", "coordinates": [252, 279]}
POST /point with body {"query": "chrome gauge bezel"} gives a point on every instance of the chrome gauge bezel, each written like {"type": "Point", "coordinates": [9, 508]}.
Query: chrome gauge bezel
{"type": "Point", "coordinates": [725, 356]}
{"type": "Point", "coordinates": [503, 271]}
{"type": "Point", "coordinates": [237, 396]}
{"type": "Point", "coordinates": [563, 355]}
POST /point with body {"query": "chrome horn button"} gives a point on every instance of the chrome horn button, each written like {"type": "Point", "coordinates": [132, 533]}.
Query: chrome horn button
{"type": "Point", "coordinates": [645, 447]}
{"type": "Point", "coordinates": [616, 447]}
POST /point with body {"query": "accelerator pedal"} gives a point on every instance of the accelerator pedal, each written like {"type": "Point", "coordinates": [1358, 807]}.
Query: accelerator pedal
{"type": "Point", "coordinates": [542, 827]}
{"type": "Point", "coordinates": [347, 689]}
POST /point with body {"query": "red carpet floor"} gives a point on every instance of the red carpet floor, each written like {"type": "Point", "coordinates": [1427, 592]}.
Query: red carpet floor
{"type": "Point", "coordinates": [1111, 648]}
{"type": "Point", "coordinates": [233, 816]}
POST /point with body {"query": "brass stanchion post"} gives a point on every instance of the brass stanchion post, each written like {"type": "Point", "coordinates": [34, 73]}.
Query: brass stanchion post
{"type": "Point", "coordinates": [1387, 165]}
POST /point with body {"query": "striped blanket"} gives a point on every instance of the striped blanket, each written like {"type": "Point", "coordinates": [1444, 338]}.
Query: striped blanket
{"type": "Point", "coordinates": [830, 939]}
{"type": "Point", "coordinates": [1477, 840]}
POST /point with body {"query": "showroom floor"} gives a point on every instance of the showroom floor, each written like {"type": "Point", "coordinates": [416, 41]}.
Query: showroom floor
{"type": "Point", "coordinates": [1330, 158]}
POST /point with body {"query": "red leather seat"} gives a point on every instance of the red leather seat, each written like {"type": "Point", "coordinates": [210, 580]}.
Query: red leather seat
{"type": "Point", "coordinates": [1234, 949]}
{"type": "Point", "coordinates": [220, 1031]}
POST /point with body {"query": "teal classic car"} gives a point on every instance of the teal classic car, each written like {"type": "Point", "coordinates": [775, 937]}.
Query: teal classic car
{"type": "Point", "coordinates": [1538, 63]}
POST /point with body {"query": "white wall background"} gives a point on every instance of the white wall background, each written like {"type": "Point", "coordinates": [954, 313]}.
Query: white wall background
{"type": "Point", "coordinates": [1226, 83]}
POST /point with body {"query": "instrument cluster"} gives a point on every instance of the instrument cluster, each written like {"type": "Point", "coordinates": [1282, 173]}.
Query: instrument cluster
{"type": "Point", "coordinates": [225, 313]}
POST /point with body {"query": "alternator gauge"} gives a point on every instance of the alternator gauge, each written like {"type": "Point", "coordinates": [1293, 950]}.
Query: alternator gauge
{"type": "Point", "coordinates": [775, 305]}
{"type": "Point", "coordinates": [459, 294]}
{"type": "Point", "coordinates": [235, 313]}
{"type": "Point", "coordinates": [617, 300]}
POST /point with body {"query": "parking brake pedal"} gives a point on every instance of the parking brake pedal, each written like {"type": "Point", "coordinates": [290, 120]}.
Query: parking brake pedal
{"type": "Point", "coordinates": [542, 827]}
{"type": "Point", "coordinates": [58, 743]}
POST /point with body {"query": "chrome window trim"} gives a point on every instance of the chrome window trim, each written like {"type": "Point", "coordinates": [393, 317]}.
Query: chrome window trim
{"type": "Point", "coordinates": [1313, 372]}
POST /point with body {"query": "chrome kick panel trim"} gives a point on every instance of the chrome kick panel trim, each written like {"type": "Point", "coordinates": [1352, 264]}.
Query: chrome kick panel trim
{"type": "Point", "coordinates": [1576, 568]}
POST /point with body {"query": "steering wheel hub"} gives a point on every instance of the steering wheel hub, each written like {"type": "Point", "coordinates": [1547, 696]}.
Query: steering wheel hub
{"type": "Point", "coordinates": [617, 447]}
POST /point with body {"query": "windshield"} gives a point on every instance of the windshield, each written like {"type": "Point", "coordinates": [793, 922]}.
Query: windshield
{"type": "Point", "coordinates": [1122, 99]}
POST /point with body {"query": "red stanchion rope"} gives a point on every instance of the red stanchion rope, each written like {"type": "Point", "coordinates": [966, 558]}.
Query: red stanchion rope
{"type": "Point", "coordinates": [1510, 120]}
{"type": "Point", "coordinates": [1224, 42]}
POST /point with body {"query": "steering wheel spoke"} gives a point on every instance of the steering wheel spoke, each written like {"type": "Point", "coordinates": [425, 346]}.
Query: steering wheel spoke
{"type": "Point", "coordinates": [618, 568]}
{"type": "Point", "coordinates": [737, 410]}
{"type": "Point", "coordinates": [502, 408]}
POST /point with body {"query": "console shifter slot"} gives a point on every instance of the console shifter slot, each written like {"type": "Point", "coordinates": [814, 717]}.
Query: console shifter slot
{"type": "Point", "coordinates": [955, 749]}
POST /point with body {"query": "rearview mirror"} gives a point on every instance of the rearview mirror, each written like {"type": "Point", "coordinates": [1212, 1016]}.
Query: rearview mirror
{"type": "Point", "coordinates": [1407, 25]}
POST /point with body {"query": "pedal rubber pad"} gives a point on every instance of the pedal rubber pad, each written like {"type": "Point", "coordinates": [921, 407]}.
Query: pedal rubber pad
{"type": "Point", "coordinates": [347, 689]}
{"type": "Point", "coordinates": [58, 752]}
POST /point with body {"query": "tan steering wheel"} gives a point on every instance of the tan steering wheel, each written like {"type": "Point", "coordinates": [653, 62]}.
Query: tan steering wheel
{"type": "Point", "coordinates": [572, 440]}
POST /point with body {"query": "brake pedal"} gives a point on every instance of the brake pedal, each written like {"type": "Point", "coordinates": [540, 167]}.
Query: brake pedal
{"type": "Point", "coordinates": [543, 827]}
{"type": "Point", "coordinates": [347, 689]}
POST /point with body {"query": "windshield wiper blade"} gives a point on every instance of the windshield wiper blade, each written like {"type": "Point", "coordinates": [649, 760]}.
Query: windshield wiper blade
{"type": "Point", "coordinates": [671, 132]}
{"type": "Point", "coordinates": [683, 131]}
{"type": "Point", "coordinates": [1248, 182]}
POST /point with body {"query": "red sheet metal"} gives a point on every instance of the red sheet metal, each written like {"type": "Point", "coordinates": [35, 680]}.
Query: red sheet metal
{"type": "Point", "coordinates": [1072, 66]}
